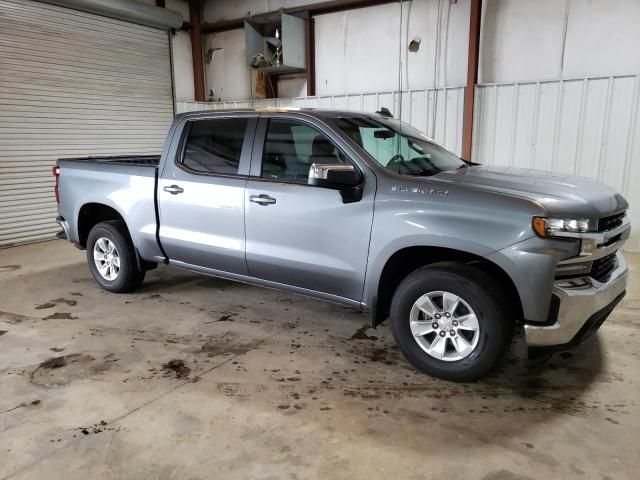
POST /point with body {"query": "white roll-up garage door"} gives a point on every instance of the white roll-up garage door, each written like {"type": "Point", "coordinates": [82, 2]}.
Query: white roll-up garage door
{"type": "Point", "coordinates": [72, 84]}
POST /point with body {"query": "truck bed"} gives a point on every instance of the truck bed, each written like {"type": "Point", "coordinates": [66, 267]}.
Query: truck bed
{"type": "Point", "coordinates": [138, 160]}
{"type": "Point", "coordinates": [126, 184]}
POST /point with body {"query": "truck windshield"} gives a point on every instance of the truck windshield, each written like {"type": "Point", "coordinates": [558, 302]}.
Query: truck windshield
{"type": "Point", "coordinates": [398, 146]}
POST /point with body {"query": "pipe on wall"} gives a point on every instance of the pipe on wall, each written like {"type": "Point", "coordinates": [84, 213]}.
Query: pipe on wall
{"type": "Point", "coordinates": [127, 10]}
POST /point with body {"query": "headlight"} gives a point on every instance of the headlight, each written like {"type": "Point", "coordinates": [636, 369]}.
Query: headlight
{"type": "Point", "coordinates": [552, 227]}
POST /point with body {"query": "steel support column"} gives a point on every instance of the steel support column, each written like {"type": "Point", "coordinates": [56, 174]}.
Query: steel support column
{"type": "Point", "coordinates": [310, 60]}
{"type": "Point", "coordinates": [195, 20]}
{"type": "Point", "coordinates": [472, 77]}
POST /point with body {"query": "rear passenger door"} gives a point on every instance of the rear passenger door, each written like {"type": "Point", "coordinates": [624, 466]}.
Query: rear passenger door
{"type": "Point", "coordinates": [298, 234]}
{"type": "Point", "coordinates": [201, 194]}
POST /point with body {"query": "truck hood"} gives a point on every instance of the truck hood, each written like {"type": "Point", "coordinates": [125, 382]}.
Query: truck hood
{"type": "Point", "coordinates": [562, 195]}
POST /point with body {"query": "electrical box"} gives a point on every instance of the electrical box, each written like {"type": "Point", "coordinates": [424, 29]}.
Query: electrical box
{"type": "Point", "coordinates": [275, 43]}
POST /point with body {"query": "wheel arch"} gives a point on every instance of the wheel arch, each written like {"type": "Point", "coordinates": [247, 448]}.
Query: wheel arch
{"type": "Point", "coordinates": [409, 259]}
{"type": "Point", "coordinates": [90, 214]}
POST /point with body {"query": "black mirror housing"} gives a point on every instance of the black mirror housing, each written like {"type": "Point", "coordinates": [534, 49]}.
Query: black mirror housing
{"type": "Point", "coordinates": [343, 178]}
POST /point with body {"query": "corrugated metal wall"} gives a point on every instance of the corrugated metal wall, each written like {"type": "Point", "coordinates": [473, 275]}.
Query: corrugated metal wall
{"type": "Point", "coordinates": [438, 113]}
{"type": "Point", "coordinates": [71, 84]}
{"type": "Point", "coordinates": [586, 127]}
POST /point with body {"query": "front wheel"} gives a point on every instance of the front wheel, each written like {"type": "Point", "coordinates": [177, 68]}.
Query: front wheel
{"type": "Point", "coordinates": [450, 322]}
{"type": "Point", "coordinates": [111, 258]}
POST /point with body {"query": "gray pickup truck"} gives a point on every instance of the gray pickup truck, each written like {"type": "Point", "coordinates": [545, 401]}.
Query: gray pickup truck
{"type": "Point", "coordinates": [363, 210]}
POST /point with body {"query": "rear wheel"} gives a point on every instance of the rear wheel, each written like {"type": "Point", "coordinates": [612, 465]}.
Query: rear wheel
{"type": "Point", "coordinates": [111, 257]}
{"type": "Point", "coordinates": [450, 321]}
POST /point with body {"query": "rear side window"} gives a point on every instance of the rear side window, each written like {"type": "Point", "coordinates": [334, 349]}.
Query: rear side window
{"type": "Point", "coordinates": [214, 146]}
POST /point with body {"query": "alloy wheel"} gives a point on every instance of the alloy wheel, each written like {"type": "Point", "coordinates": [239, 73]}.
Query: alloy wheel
{"type": "Point", "coordinates": [444, 326]}
{"type": "Point", "coordinates": [106, 258]}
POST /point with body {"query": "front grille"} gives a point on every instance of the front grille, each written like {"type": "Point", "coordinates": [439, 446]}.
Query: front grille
{"type": "Point", "coordinates": [602, 268]}
{"type": "Point", "coordinates": [609, 223]}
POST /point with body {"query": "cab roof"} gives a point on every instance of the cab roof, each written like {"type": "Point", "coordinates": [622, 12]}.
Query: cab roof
{"type": "Point", "coordinates": [314, 112]}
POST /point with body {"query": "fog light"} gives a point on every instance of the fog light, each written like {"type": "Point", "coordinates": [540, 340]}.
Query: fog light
{"type": "Point", "coordinates": [588, 246]}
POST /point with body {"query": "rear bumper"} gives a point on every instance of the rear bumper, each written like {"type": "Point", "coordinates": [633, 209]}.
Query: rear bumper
{"type": "Point", "coordinates": [65, 226]}
{"type": "Point", "coordinates": [583, 305]}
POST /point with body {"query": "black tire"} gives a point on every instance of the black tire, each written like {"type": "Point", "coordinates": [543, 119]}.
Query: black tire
{"type": "Point", "coordinates": [484, 297]}
{"type": "Point", "coordinates": [129, 277]}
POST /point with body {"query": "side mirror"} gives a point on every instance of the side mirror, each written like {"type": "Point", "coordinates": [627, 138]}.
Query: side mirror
{"type": "Point", "coordinates": [334, 176]}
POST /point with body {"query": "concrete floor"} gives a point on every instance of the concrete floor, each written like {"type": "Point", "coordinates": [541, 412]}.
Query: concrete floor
{"type": "Point", "coordinates": [280, 386]}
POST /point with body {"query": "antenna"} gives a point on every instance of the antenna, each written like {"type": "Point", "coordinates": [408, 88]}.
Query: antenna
{"type": "Point", "coordinates": [384, 112]}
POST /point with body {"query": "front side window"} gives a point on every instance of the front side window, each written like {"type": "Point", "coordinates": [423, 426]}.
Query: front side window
{"type": "Point", "coordinates": [215, 146]}
{"type": "Point", "coordinates": [398, 147]}
{"type": "Point", "coordinates": [291, 147]}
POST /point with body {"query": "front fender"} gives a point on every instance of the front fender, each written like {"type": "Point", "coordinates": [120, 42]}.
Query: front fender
{"type": "Point", "coordinates": [471, 222]}
{"type": "Point", "coordinates": [531, 265]}
{"type": "Point", "coordinates": [382, 255]}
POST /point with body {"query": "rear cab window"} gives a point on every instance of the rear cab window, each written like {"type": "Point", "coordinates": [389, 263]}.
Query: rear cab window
{"type": "Point", "coordinates": [214, 146]}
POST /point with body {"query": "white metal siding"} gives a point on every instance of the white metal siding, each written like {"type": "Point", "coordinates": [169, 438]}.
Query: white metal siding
{"type": "Point", "coordinates": [437, 112]}
{"type": "Point", "coordinates": [71, 84]}
{"type": "Point", "coordinates": [588, 127]}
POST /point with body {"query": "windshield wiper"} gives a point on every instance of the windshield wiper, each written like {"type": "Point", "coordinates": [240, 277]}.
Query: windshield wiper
{"type": "Point", "coordinates": [419, 173]}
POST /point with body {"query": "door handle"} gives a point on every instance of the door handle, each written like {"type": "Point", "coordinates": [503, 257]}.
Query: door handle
{"type": "Point", "coordinates": [262, 199]}
{"type": "Point", "coordinates": [173, 189]}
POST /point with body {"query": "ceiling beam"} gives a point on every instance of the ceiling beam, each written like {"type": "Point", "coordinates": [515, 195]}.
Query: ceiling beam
{"type": "Point", "coordinates": [314, 9]}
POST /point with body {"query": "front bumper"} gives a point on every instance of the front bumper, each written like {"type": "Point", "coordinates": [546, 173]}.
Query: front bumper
{"type": "Point", "coordinates": [583, 305]}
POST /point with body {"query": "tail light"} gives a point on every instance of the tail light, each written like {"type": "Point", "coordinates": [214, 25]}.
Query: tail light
{"type": "Point", "coordinates": [56, 173]}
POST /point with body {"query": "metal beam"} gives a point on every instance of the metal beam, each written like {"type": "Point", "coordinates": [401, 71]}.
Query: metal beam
{"type": "Point", "coordinates": [195, 10]}
{"type": "Point", "coordinates": [310, 57]}
{"type": "Point", "coordinates": [472, 77]}
{"type": "Point", "coordinates": [315, 9]}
